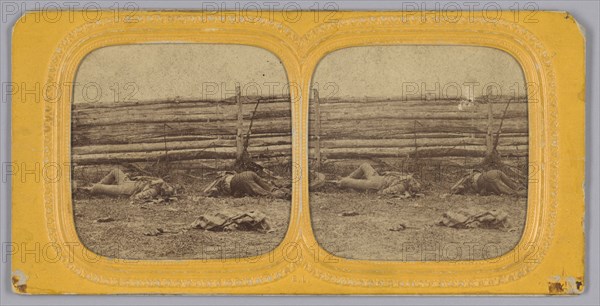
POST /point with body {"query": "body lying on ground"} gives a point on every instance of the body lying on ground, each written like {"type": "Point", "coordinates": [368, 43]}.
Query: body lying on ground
{"type": "Point", "coordinates": [116, 183]}
{"type": "Point", "coordinates": [365, 178]}
{"type": "Point", "coordinates": [487, 182]}
{"type": "Point", "coordinates": [246, 183]}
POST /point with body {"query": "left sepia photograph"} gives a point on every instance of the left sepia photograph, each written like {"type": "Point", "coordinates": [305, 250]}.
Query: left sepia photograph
{"type": "Point", "coordinates": [181, 151]}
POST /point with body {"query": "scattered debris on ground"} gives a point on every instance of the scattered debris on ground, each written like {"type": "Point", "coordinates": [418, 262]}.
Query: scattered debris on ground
{"type": "Point", "coordinates": [166, 201]}
{"type": "Point", "coordinates": [160, 231]}
{"type": "Point", "coordinates": [232, 220]}
{"type": "Point", "coordinates": [105, 220]}
{"type": "Point", "coordinates": [398, 228]}
{"type": "Point", "coordinates": [474, 218]}
{"type": "Point", "coordinates": [154, 232]}
{"type": "Point", "coordinates": [349, 213]}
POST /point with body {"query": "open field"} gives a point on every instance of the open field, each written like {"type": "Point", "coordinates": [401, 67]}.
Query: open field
{"type": "Point", "coordinates": [198, 137]}
{"type": "Point", "coordinates": [364, 236]}
{"type": "Point", "coordinates": [368, 236]}
{"type": "Point", "coordinates": [438, 142]}
{"type": "Point", "coordinates": [124, 237]}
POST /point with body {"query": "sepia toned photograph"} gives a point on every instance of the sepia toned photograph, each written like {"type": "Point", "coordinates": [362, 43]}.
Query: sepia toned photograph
{"type": "Point", "coordinates": [418, 153]}
{"type": "Point", "coordinates": [219, 150]}
{"type": "Point", "coordinates": [181, 151]}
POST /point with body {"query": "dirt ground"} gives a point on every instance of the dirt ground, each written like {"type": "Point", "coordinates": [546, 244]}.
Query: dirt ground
{"type": "Point", "coordinates": [368, 236]}
{"type": "Point", "coordinates": [124, 237]}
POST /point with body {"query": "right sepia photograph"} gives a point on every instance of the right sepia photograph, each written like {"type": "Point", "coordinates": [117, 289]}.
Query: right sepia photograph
{"type": "Point", "coordinates": [418, 153]}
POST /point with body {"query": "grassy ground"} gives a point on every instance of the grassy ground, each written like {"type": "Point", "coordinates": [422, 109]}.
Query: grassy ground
{"type": "Point", "coordinates": [368, 236]}
{"type": "Point", "coordinates": [124, 237]}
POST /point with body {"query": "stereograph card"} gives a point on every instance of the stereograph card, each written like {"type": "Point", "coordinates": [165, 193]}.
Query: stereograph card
{"type": "Point", "coordinates": [281, 153]}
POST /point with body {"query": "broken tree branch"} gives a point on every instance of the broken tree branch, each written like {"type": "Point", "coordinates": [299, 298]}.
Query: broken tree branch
{"type": "Point", "coordinates": [501, 122]}
{"type": "Point", "coordinates": [249, 131]}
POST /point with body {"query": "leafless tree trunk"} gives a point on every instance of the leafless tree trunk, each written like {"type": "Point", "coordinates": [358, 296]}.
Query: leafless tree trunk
{"type": "Point", "coordinates": [240, 124]}
{"type": "Point", "coordinates": [317, 129]}
{"type": "Point", "coordinates": [491, 154]}
{"type": "Point", "coordinates": [490, 124]}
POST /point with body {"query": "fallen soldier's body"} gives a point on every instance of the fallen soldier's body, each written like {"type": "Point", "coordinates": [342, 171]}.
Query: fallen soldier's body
{"type": "Point", "coordinates": [116, 183]}
{"type": "Point", "coordinates": [365, 178]}
{"type": "Point", "coordinates": [246, 183]}
{"type": "Point", "coordinates": [488, 182]}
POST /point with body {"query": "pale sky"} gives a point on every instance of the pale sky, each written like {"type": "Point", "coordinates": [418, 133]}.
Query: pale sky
{"type": "Point", "coordinates": [147, 72]}
{"type": "Point", "coordinates": [384, 70]}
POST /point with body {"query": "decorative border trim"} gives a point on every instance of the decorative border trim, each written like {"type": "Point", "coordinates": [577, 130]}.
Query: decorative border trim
{"type": "Point", "coordinates": [314, 43]}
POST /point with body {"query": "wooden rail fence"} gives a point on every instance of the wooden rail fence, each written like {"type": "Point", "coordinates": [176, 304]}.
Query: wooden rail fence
{"type": "Point", "coordinates": [205, 134]}
{"type": "Point", "coordinates": [359, 129]}
{"type": "Point", "coordinates": [190, 133]}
